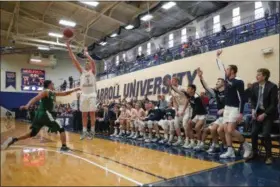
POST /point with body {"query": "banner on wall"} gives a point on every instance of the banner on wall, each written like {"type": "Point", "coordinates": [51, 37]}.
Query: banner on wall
{"type": "Point", "coordinates": [32, 79]}
{"type": "Point", "coordinates": [10, 79]}
{"type": "Point", "coordinates": [145, 87]}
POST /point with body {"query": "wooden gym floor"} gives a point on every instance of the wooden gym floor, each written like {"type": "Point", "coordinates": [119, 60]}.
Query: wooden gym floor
{"type": "Point", "coordinates": [103, 162]}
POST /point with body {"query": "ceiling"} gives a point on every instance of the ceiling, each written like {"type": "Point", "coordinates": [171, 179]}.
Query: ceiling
{"type": "Point", "coordinates": [25, 25]}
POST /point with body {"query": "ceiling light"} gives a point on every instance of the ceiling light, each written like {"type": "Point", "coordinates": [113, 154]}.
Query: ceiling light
{"type": "Point", "coordinates": [55, 35]}
{"type": "Point", "coordinates": [128, 27]}
{"type": "Point", "coordinates": [147, 17]}
{"type": "Point", "coordinates": [90, 3]}
{"type": "Point", "coordinates": [114, 35]}
{"type": "Point", "coordinates": [44, 48]}
{"type": "Point", "coordinates": [103, 43]}
{"type": "Point", "coordinates": [35, 60]}
{"type": "Point", "coordinates": [168, 5]}
{"type": "Point", "coordinates": [67, 23]}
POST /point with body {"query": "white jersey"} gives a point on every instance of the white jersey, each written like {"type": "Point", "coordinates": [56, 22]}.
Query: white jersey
{"type": "Point", "coordinates": [179, 99]}
{"type": "Point", "coordinates": [88, 83]}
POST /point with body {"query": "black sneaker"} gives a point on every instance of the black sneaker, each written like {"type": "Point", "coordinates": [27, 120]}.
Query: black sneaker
{"type": "Point", "coordinates": [8, 142]}
{"type": "Point", "coordinates": [65, 149]}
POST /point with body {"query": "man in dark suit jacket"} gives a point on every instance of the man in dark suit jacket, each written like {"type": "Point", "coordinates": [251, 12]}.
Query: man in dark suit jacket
{"type": "Point", "coordinates": [264, 111]}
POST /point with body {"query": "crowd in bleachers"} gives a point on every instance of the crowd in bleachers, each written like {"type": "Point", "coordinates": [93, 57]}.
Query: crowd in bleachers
{"type": "Point", "coordinates": [226, 37]}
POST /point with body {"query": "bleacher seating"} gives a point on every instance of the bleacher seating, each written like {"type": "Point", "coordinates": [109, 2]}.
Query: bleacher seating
{"type": "Point", "coordinates": [246, 32]}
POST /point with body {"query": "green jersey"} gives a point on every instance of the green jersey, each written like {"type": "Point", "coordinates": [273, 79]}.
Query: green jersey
{"type": "Point", "coordinates": [47, 103]}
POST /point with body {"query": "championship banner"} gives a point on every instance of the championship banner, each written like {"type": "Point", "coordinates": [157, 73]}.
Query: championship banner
{"type": "Point", "coordinates": [10, 79]}
{"type": "Point", "coordinates": [32, 79]}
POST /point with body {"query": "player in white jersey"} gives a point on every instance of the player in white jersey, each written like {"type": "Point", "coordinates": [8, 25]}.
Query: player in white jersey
{"type": "Point", "coordinates": [88, 91]}
{"type": "Point", "coordinates": [182, 108]}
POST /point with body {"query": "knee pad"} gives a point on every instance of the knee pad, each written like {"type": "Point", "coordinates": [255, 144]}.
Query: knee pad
{"type": "Point", "coordinates": [150, 124]}
{"type": "Point", "coordinates": [61, 130]}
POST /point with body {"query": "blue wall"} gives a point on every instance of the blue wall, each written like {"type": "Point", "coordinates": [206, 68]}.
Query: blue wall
{"type": "Point", "coordinates": [11, 100]}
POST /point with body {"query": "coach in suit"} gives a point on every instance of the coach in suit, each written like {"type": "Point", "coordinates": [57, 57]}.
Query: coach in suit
{"type": "Point", "coordinates": [264, 111]}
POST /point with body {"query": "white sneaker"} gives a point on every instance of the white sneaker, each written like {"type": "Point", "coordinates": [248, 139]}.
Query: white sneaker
{"type": "Point", "coordinates": [90, 135]}
{"type": "Point", "coordinates": [191, 145]}
{"type": "Point", "coordinates": [131, 135]}
{"type": "Point", "coordinates": [247, 150]}
{"type": "Point", "coordinates": [163, 141]}
{"type": "Point", "coordinates": [179, 142]}
{"type": "Point", "coordinates": [115, 133]}
{"type": "Point", "coordinates": [228, 154]}
{"type": "Point", "coordinates": [83, 135]}
{"type": "Point", "coordinates": [199, 147]}
{"type": "Point", "coordinates": [120, 134]}
{"type": "Point", "coordinates": [135, 136]}
{"type": "Point", "coordinates": [211, 149]}
{"type": "Point", "coordinates": [186, 144]}
{"type": "Point", "coordinates": [156, 139]}
{"type": "Point", "coordinates": [148, 140]}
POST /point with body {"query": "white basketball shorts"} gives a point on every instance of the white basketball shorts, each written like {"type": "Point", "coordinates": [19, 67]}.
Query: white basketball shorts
{"type": "Point", "coordinates": [230, 114]}
{"type": "Point", "coordinates": [88, 103]}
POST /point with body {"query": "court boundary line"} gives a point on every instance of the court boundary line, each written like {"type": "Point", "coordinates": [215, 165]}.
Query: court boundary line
{"type": "Point", "coordinates": [89, 161]}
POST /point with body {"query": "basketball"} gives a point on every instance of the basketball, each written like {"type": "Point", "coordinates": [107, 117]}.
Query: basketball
{"type": "Point", "coordinates": [68, 33]}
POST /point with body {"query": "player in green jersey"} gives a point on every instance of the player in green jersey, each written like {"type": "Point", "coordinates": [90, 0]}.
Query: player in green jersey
{"type": "Point", "coordinates": [44, 115]}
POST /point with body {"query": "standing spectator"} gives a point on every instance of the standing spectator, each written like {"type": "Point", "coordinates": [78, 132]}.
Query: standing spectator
{"type": "Point", "coordinates": [64, 85]}
{"type": "Point", "coordinates": [70, 82]}
{"type": "Point", "coordinates": [224, 30]}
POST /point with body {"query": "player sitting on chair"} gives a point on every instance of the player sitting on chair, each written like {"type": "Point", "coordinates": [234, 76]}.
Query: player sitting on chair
{"type": "Point", "coordinates": [167, 124]}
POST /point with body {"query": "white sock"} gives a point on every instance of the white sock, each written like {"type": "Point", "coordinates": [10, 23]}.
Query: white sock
{"type": "Point", "coordinates": [230, 149]}
{"type": "Point", "coordinates": [187, 140]}
{"type": "Point", "coordinates": [166, 136]}
{"type": "Point", "coordinates": [201, 143]}
{"type": "Point", "coordinates": [171, 137]}
{"type": "Point", "coordinates": [179, 138]}
{"type": "Point", "coordinates": [150, 135]}
{"type": "Point", "coordinates": [93, 129]}
{"type": "Point", "coordinates": [198, 142]}
{"type": "Point", "coordinates": [84, 129]}
{"type": "Point", "coordinates": [141, 133]}
{"type": "Point", "coordinates": [192, 141]}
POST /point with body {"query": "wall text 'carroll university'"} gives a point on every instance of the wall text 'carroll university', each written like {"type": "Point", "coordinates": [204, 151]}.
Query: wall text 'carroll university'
{"type": "Point", "coordinates": [136, 88]}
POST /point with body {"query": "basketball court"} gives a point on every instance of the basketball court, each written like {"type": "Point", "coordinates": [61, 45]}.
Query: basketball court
{"type": "Point", "coordinates": [114, 162]}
